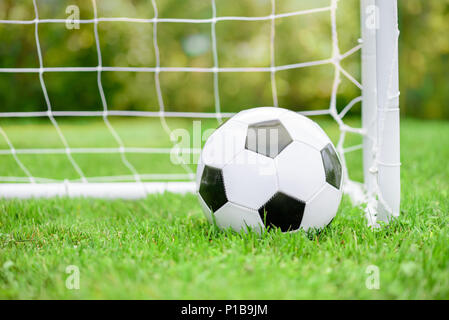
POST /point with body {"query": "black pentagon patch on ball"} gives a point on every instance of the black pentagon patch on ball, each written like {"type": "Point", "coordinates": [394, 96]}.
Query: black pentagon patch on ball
{"type": "Point", "coordinates": [282, 211]}
{"type": "Point", "coordinates": [332, 166]}
{"type": "Point", "coordinates": [212, 188]}
{"type": "Point", "coordinates": [267, 138]}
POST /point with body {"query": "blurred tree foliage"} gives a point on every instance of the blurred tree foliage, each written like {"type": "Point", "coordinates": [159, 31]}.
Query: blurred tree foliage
{"type": "Point", "coordinates": [424, 55]}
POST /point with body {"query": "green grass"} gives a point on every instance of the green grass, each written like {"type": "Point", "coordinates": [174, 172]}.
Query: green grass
{"type": "Point", "coordinates": [162, 246]}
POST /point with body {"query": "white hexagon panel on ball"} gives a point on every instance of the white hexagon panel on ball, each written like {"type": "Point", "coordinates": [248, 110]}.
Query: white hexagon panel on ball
{"type": "Point", "coordinates": [322, 208]}
{"type": "Point", "coordinates": [238, 218]}
{"type": "Point", "coordinates": [262, 114]}
{"type": "Point", "coordinates": [199, 172]}
{"type": "Point", "coordinates": [300, 171]}
{"type": "Point", "coordinates": [206, 210]}
{"type": "Point", "coordinates": [250, 179]}
{"type": "Point", "coordinates": [224, 144]}
{"type": "Point", "coordinates": [304, 130]}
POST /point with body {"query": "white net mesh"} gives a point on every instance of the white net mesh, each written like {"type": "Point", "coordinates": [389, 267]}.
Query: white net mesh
{"type": "Point", "coordinates": [124, 151]}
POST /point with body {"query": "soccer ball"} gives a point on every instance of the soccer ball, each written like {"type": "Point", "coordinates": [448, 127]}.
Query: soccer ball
{"type": "Point", "coordinates": [269, 168]}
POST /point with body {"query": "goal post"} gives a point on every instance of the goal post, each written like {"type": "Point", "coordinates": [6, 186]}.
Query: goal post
{"type": "Point", "coordinates": [379, 97]}
{"type": "Point", "coordinates": [381, 147]}
{"type": "Point", "coordinates": [388, 159]}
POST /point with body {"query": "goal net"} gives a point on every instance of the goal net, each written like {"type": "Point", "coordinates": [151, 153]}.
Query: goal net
{"type": "Point", "coordinates": [115, 98]}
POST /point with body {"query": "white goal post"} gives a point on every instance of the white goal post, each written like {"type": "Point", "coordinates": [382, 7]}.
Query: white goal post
{"type": "Point", "coordinates": [380, 101]}
{"type": "Point", "coordinates": [380, 190]}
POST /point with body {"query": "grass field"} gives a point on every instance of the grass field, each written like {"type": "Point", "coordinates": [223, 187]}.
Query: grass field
{"type": "Point", "coordinates": [162, 247]}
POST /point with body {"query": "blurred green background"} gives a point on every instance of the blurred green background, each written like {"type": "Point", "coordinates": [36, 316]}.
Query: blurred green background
{"type": "Point", "coordinates": [424, 56]}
